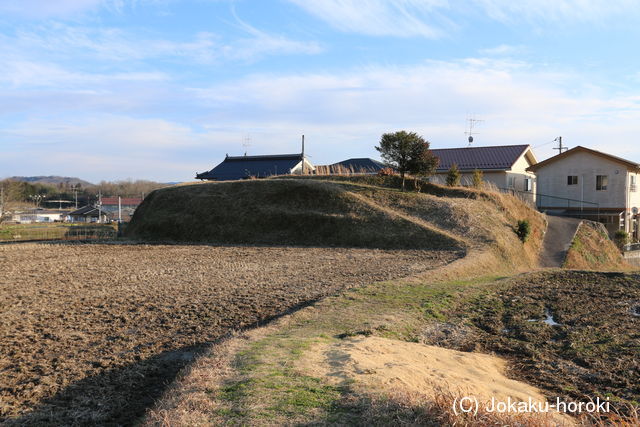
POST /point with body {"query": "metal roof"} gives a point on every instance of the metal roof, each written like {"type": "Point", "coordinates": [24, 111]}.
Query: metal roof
{"type": "Point", "coordinates": [360, 164]}
{"type": "Point", "coordinates": [241, 167]}
{"type": "Point", "coordinates": [468, 158]}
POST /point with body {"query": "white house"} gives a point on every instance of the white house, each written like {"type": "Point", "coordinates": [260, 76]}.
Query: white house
{"type": "Point", "coordinates": [505, 166]}
{"type": "Point", "coordinates": [39, 215]}
{"type": "Point", "coordinates": [590, 184]}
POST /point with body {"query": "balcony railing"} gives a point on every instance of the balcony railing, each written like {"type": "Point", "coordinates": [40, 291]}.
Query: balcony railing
{"type": "Point", "coordinates": [632, 188]}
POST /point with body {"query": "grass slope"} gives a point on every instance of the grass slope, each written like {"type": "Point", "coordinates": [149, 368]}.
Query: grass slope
{"type": "Point", "coordinates": [280, 212]}
{"type": "Point", "coordinates": [352, 213]}
{"type": "Point", "coordinates": [592, 249]}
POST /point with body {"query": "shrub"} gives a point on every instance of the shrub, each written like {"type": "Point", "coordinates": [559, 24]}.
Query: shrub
{"type": "Point", "coordinates": [523, 230]}
{"type": "Point", "coordinates": [621, 238]}
{"type": "Point", "coordinates": [477, 178]}
{"type": "Point", "coordinates": [453, 176]}
{"type": "Point", "coordinates": [386, 172]}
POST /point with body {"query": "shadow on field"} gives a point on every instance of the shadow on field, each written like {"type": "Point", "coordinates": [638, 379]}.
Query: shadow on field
{"type": "Point", "coordinates": [113, 397]}
{"type": "Point", "coordinates": [121, 396]}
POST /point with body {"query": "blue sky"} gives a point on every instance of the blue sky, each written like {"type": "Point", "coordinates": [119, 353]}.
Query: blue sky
{"type": "Point", "coordinates": [161, 89]}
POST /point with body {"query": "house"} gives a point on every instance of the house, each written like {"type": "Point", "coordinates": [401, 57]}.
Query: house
{"type": "Point", "coordinates": [89, 213]}
{"type": "Point", "coordinates": [120, 207]}
{"type": "Point", "coordinates": [39, 215]}
{"type": "Point", "coordinates": [590, 184]}
{"type": "Point", "coordinates": [504, 166]}
{"type": "Point", "coordinates": [361, 165]}
{"type": "Point", "coordinates": [245, 167]}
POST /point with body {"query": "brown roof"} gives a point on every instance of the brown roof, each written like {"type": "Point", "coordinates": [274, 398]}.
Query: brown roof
{"type": "Point", "coordinates": [125, 201]}
{"type": "Point", "coordinates": [499, 157]}
{"type": "Point", "coordinates": [578, 149]}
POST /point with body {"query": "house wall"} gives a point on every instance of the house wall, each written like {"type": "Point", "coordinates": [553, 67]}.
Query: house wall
{"type": "Point", "coordinates": [552, 181]}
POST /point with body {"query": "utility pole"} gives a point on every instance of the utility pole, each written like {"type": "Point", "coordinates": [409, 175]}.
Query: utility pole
{"type": "Point", "coordinates": [560, 148]}
{"type": "Point", "coordinates": [302, 154]}
{"type": "Point", "coordinates": [1, 202]}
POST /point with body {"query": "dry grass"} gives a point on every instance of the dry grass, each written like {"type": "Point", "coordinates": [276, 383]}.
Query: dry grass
{"type": "Point", "coordinates": [592, 249]}
{"type": "Point", "coordinates": [91, 333]}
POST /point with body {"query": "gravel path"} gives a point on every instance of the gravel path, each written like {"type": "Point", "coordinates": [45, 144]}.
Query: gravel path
{"type": "Point", "coordinates": [91, 334]}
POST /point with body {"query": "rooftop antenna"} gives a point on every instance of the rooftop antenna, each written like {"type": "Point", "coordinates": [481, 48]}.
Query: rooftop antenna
{"type": "Point", "coordinates": [246, 143]}
{"type": "Point", "coordinates": [561, 149]}
{"type": "Point", "coordinates": [302, 154]}
{"type": "Point", "coordinates": [471, 124]}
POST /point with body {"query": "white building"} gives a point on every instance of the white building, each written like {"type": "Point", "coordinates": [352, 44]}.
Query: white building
{"type": "Point", "coordinates": [590, 184]}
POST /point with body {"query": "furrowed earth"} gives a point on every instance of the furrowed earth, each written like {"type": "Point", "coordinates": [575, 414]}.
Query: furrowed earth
{"type": "Point", "coordinates": [92, 333]}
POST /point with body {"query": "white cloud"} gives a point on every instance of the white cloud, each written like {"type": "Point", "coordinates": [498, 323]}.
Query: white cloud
{"type": "Point", "coordinates": [556, 11]}
{"type": "Point", "coordinates": [518, 103]}
{"type": "Point", "coordinates": [501, 50]}
{"type": "Point", "coordinates": [401, 18]}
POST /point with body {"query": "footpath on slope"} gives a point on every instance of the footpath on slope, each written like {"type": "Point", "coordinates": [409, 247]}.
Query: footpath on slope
{"type": "Point", "coordinates": [557, 240]}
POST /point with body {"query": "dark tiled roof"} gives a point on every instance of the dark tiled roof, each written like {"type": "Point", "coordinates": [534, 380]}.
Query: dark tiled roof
{"type": "Point", "coordinates": [85, 211]}
{"type": "Point", "coordinates": [242, 167]}
{"type": "Point", "coordinates": [494, 157]}
{"type": "Point", "coordinates": [361, 164]}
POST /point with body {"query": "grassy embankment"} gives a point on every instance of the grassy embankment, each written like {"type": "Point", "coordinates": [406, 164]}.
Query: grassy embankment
{"type": "Point", "coordinates": [254, 379]}
{"type": "Point", "coordinates": [592, 249]}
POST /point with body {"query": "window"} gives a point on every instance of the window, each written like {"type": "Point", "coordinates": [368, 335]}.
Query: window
{"type": "Point", "coordinates": [511, 181]}
{"type": "Point", "coordinates": [528, 184]}
{"type": "Point", "coordinates": [572, 180]}
{"type": "Point", "coordinates": [601, 182]}
{"type": "Point", "coordinates": [632, 187]}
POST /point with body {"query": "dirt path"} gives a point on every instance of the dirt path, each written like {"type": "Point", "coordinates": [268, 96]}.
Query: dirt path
{"type": "Point", "coordinates": [91, 334]}
{"type": "Point", "coordinates": [557, 240]}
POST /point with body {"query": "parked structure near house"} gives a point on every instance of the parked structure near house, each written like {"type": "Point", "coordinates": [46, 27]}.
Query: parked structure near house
{"type": "Point", "coordinates": [505, 166]}
{"type": "Point", "coordinates": [601, 186]}
{"type": "Point", "coordinates": [39, 215]}
{"type": "Point", "coordinates": [89, 214]}
{"type": "Point", "coordinates": [245, 167]}
{"type": "Point", "coordinates": [359, 166]}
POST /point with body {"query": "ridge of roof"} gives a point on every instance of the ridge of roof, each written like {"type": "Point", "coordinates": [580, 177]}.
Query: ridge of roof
{"type": "Point", "coordinates": [583, 149]}
{"type": "Point", "coordinates": [264, 157]}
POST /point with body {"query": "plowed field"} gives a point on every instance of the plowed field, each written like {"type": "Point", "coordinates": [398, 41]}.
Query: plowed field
{"type": "Point", "coordinates": [90, 334]}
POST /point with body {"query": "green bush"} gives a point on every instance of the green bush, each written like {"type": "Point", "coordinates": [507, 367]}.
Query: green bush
{"type": "Point", "coordinates": [523, 230]}
{"type": "Point", "coordinates": [621, 238]}
{"type": "Point", "coordinates": [453, 176]}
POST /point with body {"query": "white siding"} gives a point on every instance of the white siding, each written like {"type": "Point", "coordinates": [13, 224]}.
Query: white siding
{"type": "Point", "coordinates": [552, 180]}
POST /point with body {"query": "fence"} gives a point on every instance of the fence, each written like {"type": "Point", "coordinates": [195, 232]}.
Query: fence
{"type": "Point", "coordinates": [42, 232]}
{"type": "Point", "coordinates": [574, 207]}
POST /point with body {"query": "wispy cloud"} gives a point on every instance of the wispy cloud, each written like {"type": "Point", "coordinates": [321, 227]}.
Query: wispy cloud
{"type": "Point", "coordinates": [400, 18]}
{"type": "Point", "coordinates": [554, 11]}
{"type": "Point", "coordinates": [502, 50]}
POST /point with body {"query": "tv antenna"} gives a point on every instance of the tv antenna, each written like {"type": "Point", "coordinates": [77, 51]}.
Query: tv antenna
{"type": "Point", "coordinates": [471, 124]}
{"type": "Point", "coordinates": [246, 143]}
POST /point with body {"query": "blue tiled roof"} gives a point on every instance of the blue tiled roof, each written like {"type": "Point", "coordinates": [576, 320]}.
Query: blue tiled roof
{"type": "Point", "coordinates": [242, 167]}
{"type": "Point", "coordinates": [494, 157]}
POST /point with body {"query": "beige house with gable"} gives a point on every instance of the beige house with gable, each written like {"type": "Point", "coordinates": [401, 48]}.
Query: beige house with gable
{"type": "Point", "coordinates": [504, 166]}
{"type": "Point", "coordinates": [590, 184]}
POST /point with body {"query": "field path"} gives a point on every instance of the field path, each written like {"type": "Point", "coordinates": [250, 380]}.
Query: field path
{"type": "Point", "coordinates": [557, 240]}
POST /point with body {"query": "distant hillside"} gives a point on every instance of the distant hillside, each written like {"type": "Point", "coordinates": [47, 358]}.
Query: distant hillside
{"type": "Point", "coordinates": [53, 179]}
